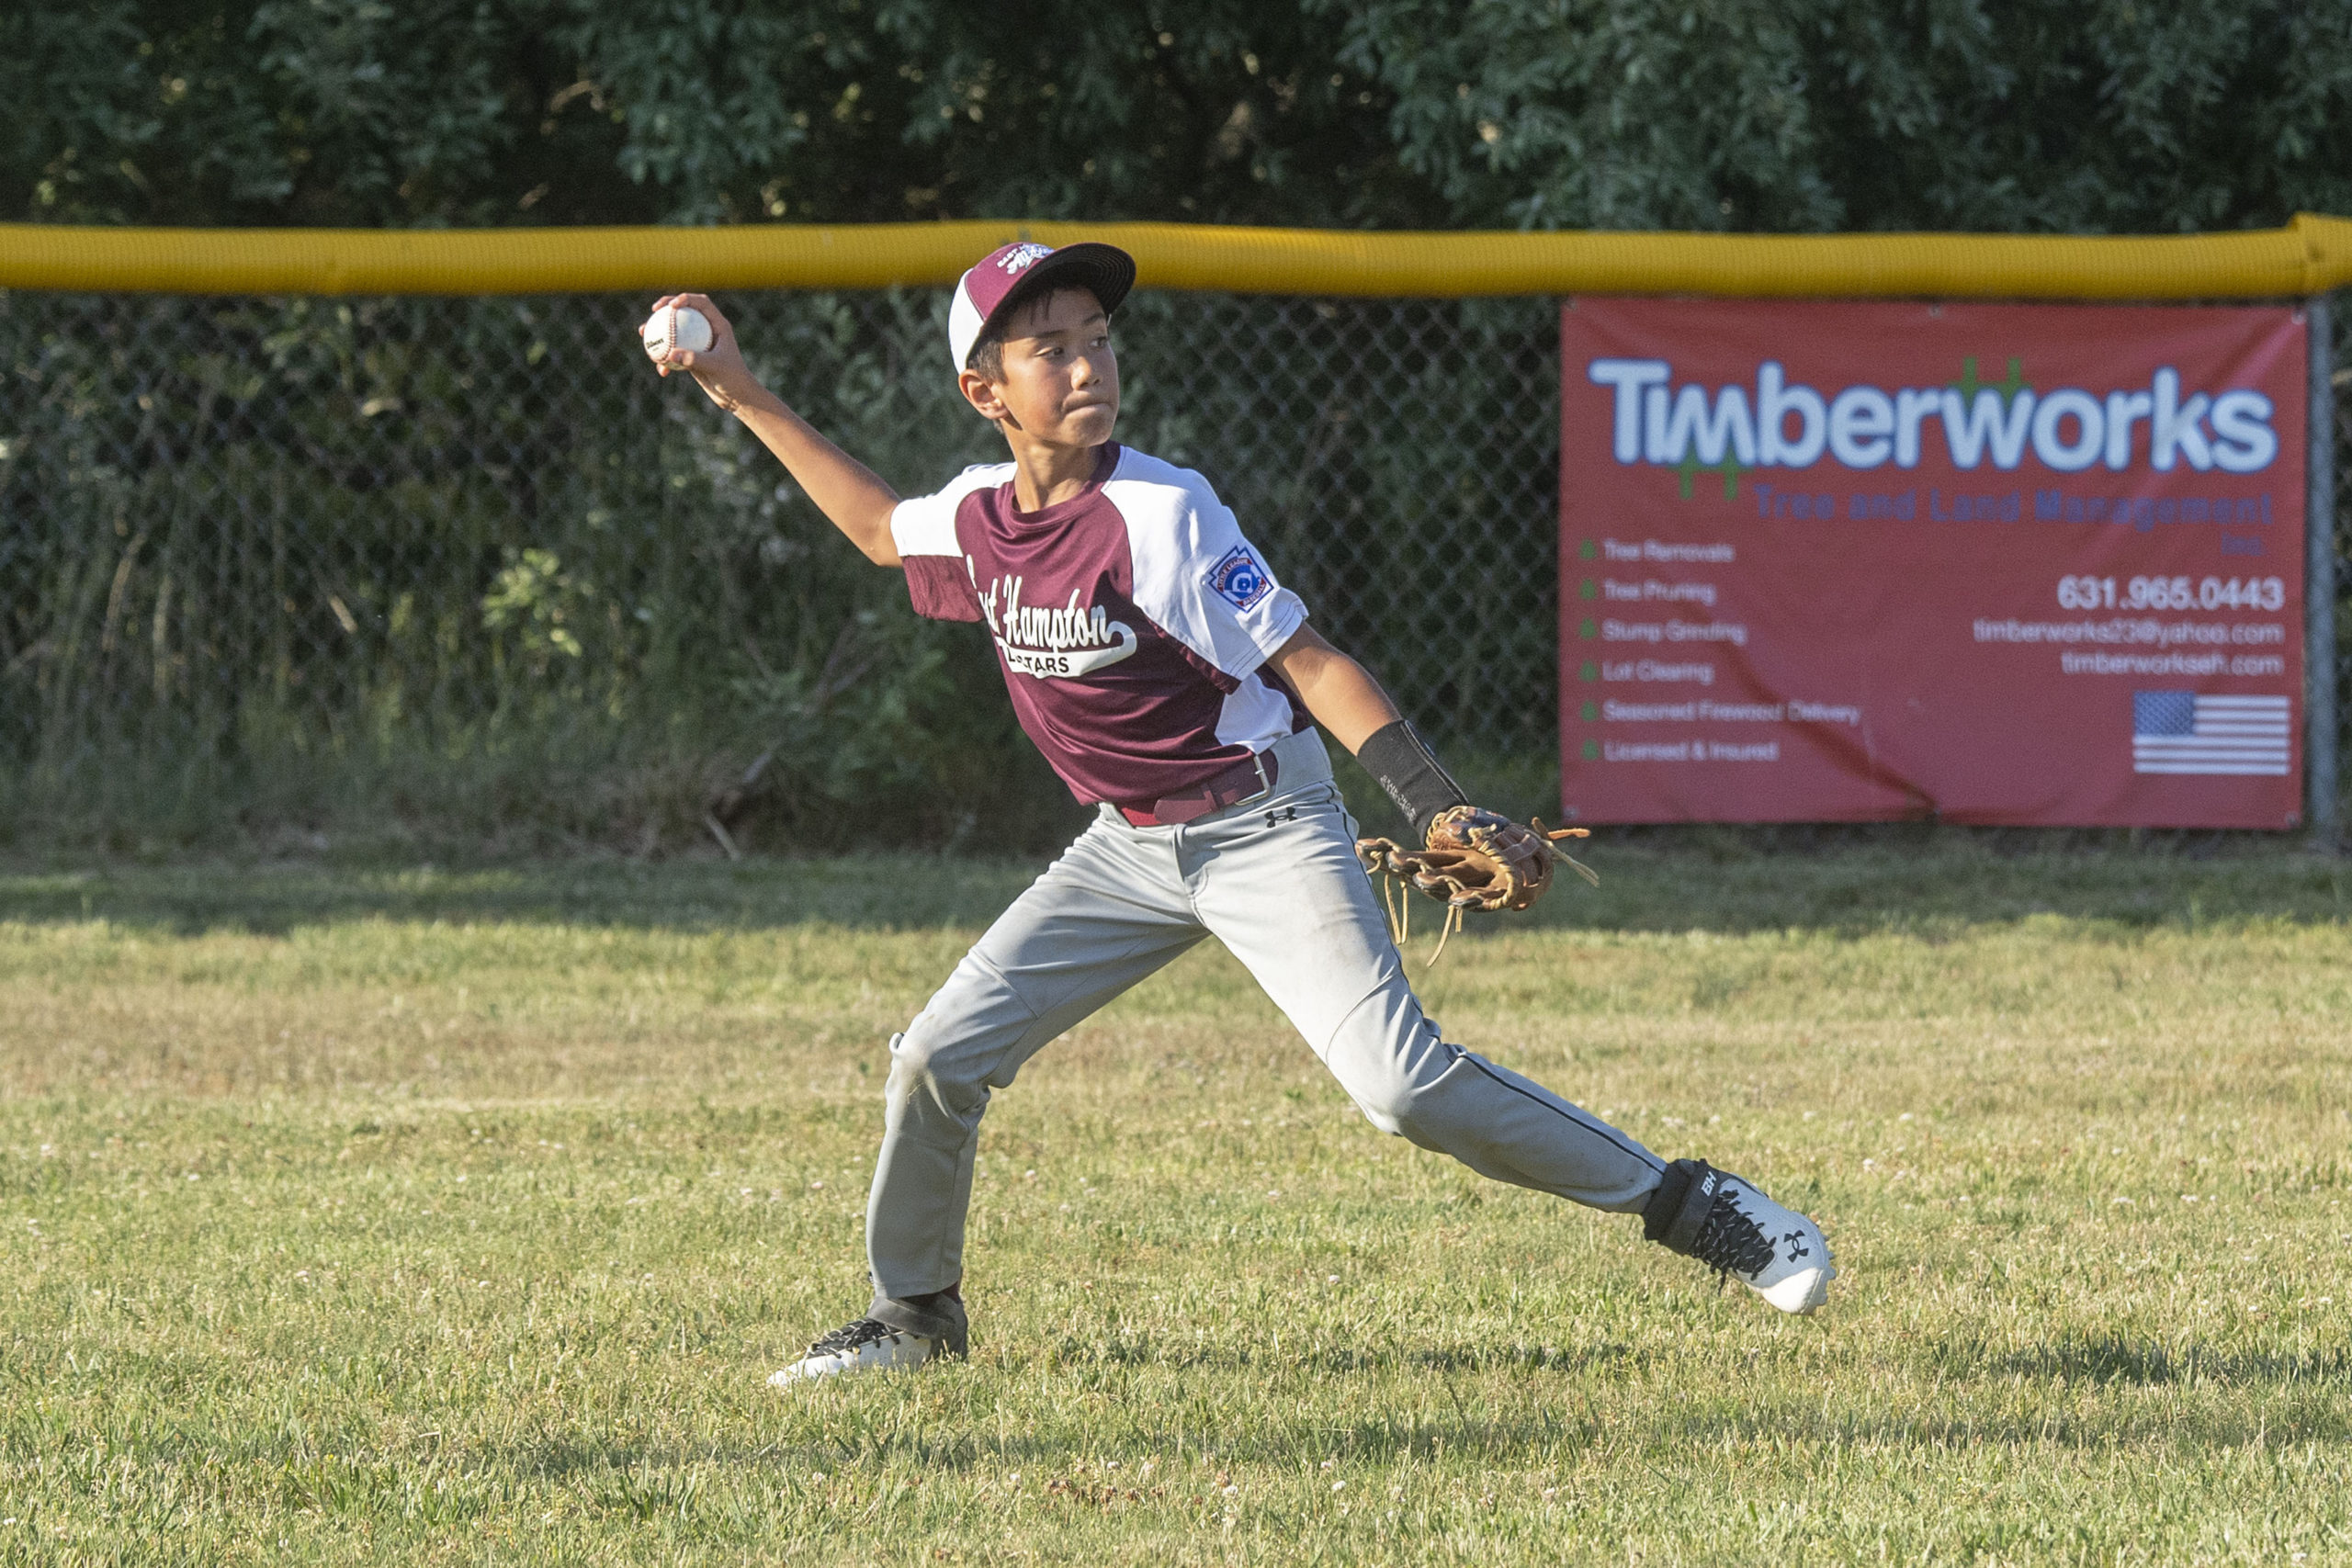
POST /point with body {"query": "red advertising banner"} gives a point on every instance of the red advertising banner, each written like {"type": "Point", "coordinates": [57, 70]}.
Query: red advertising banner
{"type": "Point", "coordinates": [1980, 563]}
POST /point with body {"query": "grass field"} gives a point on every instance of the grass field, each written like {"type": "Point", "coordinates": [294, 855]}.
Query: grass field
{"type": "Point", "coordinates": [425, 1216]}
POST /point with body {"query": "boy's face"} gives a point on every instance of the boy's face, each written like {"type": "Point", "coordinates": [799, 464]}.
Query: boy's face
{"type": "Point", "coordinates": [1061, 381]}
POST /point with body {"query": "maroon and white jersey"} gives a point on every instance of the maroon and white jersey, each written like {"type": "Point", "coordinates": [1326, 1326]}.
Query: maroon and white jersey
{"type": "Point", "coordinates": [1131, 620]}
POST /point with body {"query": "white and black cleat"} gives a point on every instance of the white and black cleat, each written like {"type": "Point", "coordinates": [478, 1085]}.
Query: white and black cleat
{"type": "Point", "coordinates": [866, 1345]}
{"type": "Point", "coordinates": [1731, 1228]}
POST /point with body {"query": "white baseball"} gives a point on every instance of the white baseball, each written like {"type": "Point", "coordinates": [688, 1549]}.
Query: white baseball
{"type": "Point", "coordinates": [675, 328]}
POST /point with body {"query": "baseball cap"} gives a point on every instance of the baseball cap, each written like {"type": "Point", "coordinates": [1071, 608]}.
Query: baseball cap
{"type": "Point", "coordinates": [983, 294]}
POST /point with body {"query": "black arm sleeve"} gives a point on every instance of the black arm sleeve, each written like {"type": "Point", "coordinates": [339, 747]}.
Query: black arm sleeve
{"type": "Point", "coordinates": [1401, 760]}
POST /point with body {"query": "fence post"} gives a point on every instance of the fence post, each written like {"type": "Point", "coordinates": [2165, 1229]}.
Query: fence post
{"type": "Point", "coordinates": [2320, 672]}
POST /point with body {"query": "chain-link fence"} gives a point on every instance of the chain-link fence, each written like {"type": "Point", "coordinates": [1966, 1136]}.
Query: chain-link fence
{"type": "Point", "coordinates": [469, 560]}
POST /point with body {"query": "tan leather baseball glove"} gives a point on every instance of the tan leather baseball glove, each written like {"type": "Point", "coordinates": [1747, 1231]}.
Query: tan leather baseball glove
{"type": "Point", "coordinates": [1473, 860]}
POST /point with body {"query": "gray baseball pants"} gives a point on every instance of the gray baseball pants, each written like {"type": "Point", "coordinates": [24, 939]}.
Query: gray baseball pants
{"type": "Point", "coordinates": [1276, 880]}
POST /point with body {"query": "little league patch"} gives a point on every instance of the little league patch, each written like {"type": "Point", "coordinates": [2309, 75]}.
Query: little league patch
{"type": "Point", "coordinates": [1239, 580]}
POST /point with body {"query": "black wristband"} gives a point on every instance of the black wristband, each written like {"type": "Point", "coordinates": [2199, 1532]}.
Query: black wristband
{"type": "Point", "coordinates": [1403, 764]}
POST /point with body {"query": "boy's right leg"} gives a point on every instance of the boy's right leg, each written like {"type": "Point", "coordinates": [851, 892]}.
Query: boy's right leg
{"type": "Point", "coordinates": [1110, 911]}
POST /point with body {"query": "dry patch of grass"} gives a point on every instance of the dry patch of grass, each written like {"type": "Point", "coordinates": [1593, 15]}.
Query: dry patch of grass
{"type": "Point", "coordinates": [370, 1216]}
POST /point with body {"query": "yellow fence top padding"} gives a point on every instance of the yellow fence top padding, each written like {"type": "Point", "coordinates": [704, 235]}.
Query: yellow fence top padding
{"type": "Point", "coordinates": [2310, 255]}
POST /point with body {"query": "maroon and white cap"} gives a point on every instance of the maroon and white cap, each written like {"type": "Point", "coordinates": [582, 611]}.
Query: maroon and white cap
{"type": "Point", "coordinates": [985, 293]}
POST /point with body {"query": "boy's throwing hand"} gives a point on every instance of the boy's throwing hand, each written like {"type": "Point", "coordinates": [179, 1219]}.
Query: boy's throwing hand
{"type": "Point", "coordinates": [719, 369]}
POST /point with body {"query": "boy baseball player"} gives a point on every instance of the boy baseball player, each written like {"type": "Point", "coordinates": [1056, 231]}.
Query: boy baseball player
{"type": "Point", "coordinates": [1176, 686]}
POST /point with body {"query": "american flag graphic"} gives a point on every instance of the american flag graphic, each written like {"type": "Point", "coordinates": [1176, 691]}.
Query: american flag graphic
{"type": "Point", "coordinates": [2188, 732]}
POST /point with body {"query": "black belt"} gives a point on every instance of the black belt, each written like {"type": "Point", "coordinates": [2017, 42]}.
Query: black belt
{"type": "Point", "coordinates": [1248, 780]}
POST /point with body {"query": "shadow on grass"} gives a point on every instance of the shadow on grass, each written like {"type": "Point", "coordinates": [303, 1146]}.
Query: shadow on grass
{"type": "Point", "coordinates": [2108, 1358]}
{"type": "Point", "coordinates": [2104, 1360]}
{"type": "Point", "coordinates": [1388, 1432]}
{"type": "Point", "coordinates": [2275, 1398]}
{"type": "Point", "coordinates": [904, 892]}
{"type": "Point", "coordinates": [1943, 882]}
{"type": "Point", "coordinates": [1359, 1360]}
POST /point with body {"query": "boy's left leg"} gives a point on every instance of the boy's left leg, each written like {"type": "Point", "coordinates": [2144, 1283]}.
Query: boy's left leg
{"type": "Point", "coordinates": [1280, 885]}
{"type": "Point", "coordinates": [1290, 901]}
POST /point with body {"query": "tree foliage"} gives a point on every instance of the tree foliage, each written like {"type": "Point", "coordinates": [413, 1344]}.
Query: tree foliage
{"type": "Point", "coordinates": [1808, 114]}
{"type": "Point", "coordinates": [504, 111]}
{"type": "Point", "coordinates": [1789, 115]}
